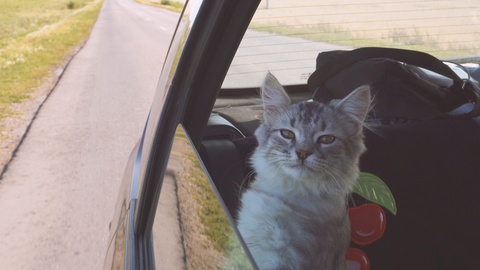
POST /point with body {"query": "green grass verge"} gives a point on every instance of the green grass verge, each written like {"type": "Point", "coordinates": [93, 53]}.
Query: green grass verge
{"type": "Point", "coordinates": [166, 4]}
{"type": "Point", "coordinates": [216, 224]}
{"type": "Point", "coordinates": [217, 227]}
{"type": "Point", "coordinates": [36, 36]}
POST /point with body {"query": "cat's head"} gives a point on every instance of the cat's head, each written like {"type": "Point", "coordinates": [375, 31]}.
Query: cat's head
{"type": "Point", "coordinates": [311, 142]}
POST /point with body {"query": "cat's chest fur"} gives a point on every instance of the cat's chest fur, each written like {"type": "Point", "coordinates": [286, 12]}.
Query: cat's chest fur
{"type": "Point", "coordinates": [301, 231]}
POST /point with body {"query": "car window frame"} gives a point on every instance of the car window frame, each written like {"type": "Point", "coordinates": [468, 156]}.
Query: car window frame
{"type": "Point", "coordinates": [206, 54]}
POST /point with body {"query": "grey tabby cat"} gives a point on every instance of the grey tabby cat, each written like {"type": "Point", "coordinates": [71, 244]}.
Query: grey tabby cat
{"type": "Point", "coordinates": [294, 215]}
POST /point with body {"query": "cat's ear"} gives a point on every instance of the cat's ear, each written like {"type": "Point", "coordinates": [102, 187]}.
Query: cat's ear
{"type": "Point", "coordinates": [356, 103]}
{"type": "Point", "coordinates": [274, 96]}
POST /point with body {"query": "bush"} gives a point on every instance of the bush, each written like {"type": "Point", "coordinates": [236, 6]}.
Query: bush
{"type": "Point", "coordinates": [71, 5]}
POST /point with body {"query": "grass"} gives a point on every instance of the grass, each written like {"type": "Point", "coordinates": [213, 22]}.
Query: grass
{"type": "Point", "coordinates": [216, 224]}
{"type": "Point", "coordinates": [36, 36]}
{"type": "Point", "coordinates": [166, 4]}
{"type": "Point", "coordinates": [217, 227]}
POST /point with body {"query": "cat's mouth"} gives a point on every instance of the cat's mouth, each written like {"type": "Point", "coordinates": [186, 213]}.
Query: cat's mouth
{"type": "Point", "coordinates": [301, 167]}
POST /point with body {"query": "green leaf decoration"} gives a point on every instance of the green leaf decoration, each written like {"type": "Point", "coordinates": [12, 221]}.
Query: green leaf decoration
{"type": "Point", "coordinates": [372, 188]}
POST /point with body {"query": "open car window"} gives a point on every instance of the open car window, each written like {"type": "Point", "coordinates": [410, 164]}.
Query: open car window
{"type": "Point", "coordinates": [285, 37]}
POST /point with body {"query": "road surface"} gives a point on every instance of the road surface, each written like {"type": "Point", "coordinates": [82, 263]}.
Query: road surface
{"type": "Point", "coordinates": [57, 196]}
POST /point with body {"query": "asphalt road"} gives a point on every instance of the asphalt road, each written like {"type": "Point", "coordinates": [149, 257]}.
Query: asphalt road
{"type": "Point", "coordinates": [58, 194]}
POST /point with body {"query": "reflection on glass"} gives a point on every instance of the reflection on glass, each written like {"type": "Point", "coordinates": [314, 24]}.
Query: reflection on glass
{"type": "Point", "coordinates": [191, 229]}
{"type": "Point", "coordinates": [285, 37]}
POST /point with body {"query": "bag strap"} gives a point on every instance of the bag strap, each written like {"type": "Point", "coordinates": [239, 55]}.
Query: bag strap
{"type": "Point", "coordinates": [348, 58]}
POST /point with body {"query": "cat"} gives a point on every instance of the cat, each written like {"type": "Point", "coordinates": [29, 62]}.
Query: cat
{"type": "Point", "coordinates": [294, 214]}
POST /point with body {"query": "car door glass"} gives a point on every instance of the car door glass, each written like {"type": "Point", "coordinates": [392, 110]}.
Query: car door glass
{"type": "Point", "coordinates": [191, 229]}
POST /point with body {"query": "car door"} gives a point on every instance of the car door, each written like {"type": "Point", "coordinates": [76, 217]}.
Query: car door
{"type": "Point", "coordinates": [195, 145]}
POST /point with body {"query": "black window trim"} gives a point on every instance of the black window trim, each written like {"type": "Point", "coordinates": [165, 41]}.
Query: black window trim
{"type": "Point", "coordinates": [209, 50]}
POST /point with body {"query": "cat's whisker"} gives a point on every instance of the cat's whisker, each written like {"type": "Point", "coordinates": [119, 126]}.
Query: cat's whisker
{"type": "Point", "coordinates": [248, 177]}
{"type": "Point", "coordinates": [333, 177]}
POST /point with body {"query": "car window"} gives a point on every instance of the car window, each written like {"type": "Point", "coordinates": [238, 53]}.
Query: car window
{"type": "Point", "coordinates": [191, 229]}
{"type": "Point", "coordinates": [285, 37]}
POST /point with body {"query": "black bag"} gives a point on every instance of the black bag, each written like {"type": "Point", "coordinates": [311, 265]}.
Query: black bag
{"type": "Point", "coordinates": [430, 162]}
{"type": "Point", "coordinates": [401, 83]}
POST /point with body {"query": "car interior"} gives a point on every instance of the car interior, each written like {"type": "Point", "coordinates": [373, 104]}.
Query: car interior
{"type": "Point", "coordinates": [431, 166]}
{"type": "Point", "coordinates": [422, 162]}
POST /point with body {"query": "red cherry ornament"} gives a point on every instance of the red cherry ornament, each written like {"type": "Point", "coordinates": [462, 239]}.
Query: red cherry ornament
{"type": "Point", "coordinates": [368, 222]}
{"type": "Point", "coordinates": [357, 259]}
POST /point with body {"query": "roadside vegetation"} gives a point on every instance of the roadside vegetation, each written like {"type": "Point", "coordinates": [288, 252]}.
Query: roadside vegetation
{"type": "Point", "coordinates": [172, 5]}
{"type": "Point", "coordinates": [213, 229]}
{"type": "Point", "coordinates": [35, 37]}
{"type": "Point", "coordinates": [216, 224]}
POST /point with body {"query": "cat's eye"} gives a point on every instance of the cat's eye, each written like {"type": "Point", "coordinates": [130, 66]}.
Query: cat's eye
{"type": "Point", "coordinates": [326, 139]}
{"type": "Point", "coordinates": [287, 134]}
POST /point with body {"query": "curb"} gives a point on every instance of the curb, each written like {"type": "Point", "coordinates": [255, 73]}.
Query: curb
{"type": "Point", "coordinates": [18, 127]}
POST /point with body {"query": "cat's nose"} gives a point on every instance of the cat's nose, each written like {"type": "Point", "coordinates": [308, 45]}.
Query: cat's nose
{"type": "Point", "coordinates": [303, 154]}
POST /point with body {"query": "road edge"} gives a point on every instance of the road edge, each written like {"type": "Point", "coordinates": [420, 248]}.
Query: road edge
{"type": "Point", "coordinates": [16, 127]}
